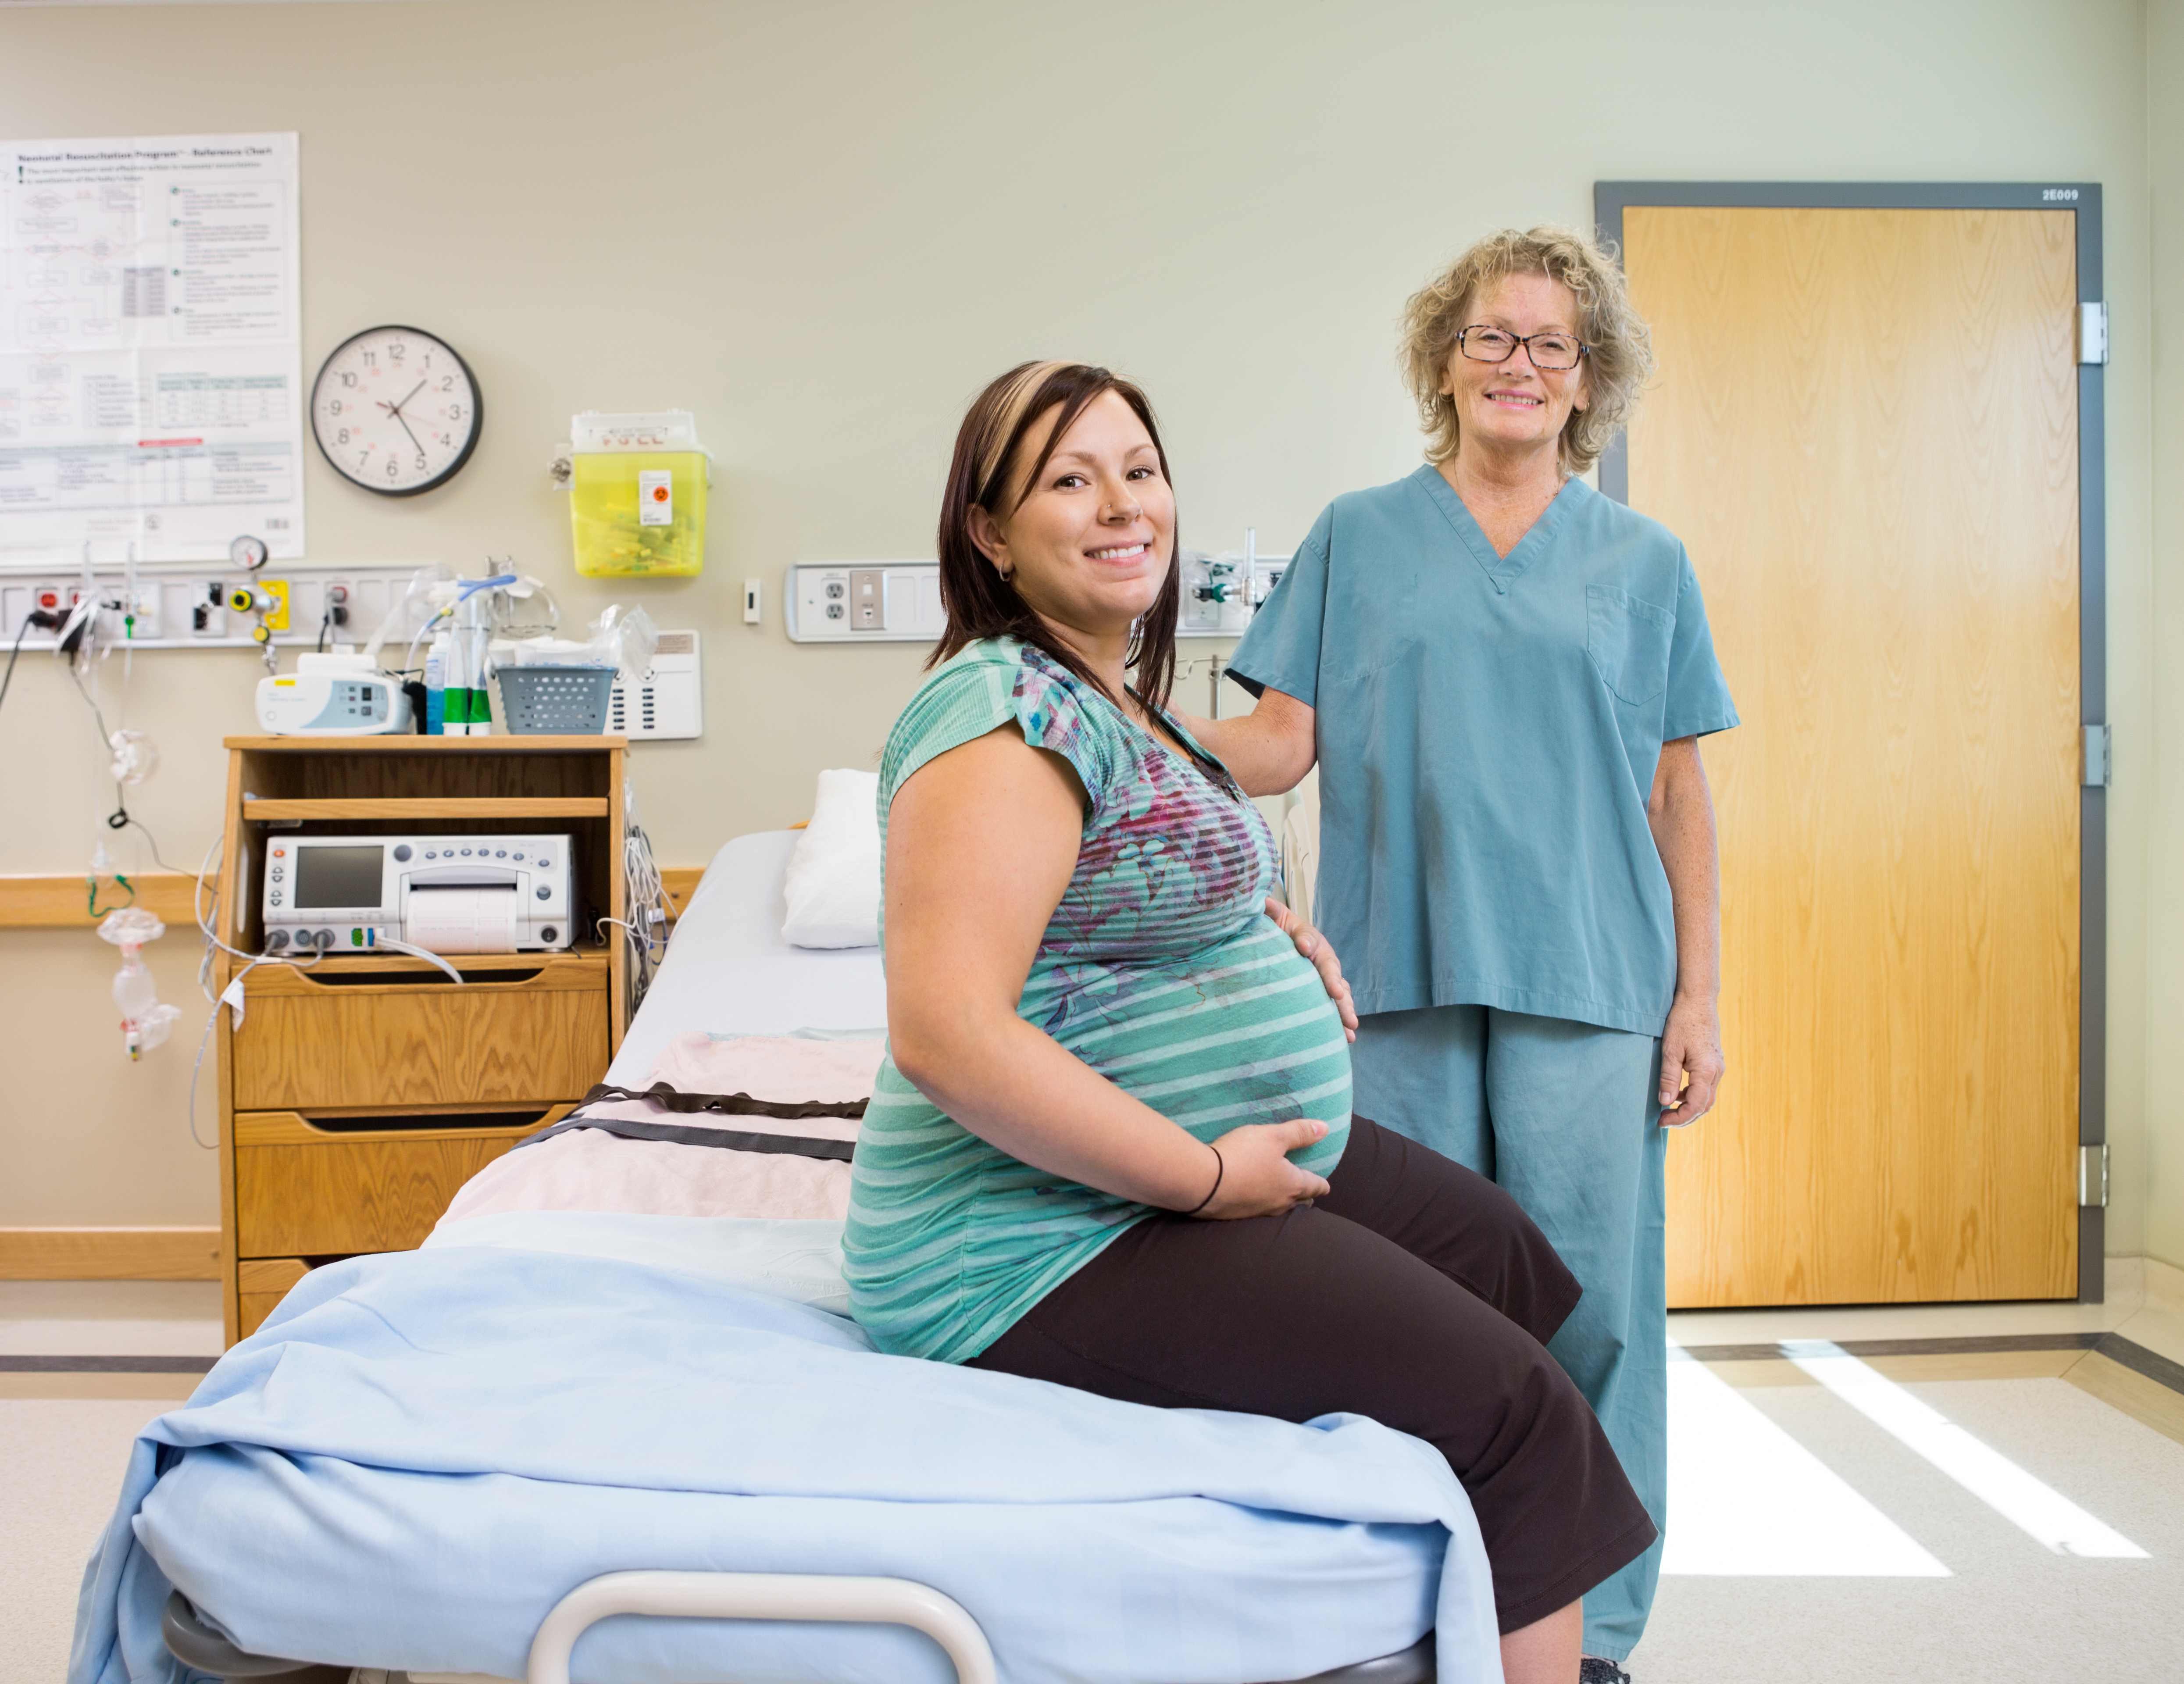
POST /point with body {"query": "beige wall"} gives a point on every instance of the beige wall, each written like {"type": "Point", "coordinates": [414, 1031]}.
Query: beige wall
{"type": "Point", "coordinates": [821, 226]}
{"type": "Point", "coordinates": [2162, 1167]}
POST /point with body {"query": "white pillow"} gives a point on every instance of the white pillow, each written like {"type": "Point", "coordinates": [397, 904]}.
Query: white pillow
{"type": "Point", "coordinates": [833, 884]}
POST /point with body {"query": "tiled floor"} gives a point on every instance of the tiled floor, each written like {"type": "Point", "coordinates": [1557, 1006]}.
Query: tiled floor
{"type": "Point", "coordinates": [64, 1436]}
{"type": "Point", "coordinates": [1899, 1494]}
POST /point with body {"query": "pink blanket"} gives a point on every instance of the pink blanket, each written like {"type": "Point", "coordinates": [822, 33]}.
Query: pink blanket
{"type": "Point", "coordinates": [589, 1169]}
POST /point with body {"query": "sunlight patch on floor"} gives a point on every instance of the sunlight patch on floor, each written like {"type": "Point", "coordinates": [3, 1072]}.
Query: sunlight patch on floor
{"type": "Point", "coordinates": [2038, 1508]}
{"type": "Point", "coordinates": [1748, 1500]}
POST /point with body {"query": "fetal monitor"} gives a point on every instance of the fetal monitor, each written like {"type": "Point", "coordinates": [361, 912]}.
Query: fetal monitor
{"type": "Point", "coordinates": [443, 894]}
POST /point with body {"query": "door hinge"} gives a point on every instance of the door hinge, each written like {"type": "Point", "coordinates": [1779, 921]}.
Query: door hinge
{"type": "Point", "coordinates": [2093, 1177]}
{"type": "Point", "coordinates": [2099, 762]}
{"type": "Point", "coordinates": [2092, 331]}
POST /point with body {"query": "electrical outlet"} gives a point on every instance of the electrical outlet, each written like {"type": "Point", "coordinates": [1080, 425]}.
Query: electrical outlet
{"type": "Point", "coordinates": [750, 602]}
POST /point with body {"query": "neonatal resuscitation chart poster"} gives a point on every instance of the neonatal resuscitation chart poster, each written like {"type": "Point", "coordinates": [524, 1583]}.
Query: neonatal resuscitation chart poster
{"type": "Point", "coordinates": [150, 350]}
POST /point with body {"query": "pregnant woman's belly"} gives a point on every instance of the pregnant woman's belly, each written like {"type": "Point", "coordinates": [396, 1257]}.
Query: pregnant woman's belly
{"type": "Point", "coordinates": [950, 1239]}
{"type": "Point", "coordinates": [1242, 1032]}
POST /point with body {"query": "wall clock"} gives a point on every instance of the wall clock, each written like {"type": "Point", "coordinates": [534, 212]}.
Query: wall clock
{"type": "Point", "coordinates": [396, 411]}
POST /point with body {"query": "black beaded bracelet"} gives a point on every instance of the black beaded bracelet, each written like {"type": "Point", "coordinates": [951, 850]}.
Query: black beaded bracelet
{"type": "Point", "coordinates": [1221, 1169]}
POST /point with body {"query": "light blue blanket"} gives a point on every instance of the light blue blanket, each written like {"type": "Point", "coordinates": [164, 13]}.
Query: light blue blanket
{"type": "Point", "coordinates": [420, 1452]}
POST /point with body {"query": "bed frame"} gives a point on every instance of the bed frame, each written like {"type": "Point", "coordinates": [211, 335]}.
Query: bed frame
{"type": "Point", "coordinates": [705, 1596]}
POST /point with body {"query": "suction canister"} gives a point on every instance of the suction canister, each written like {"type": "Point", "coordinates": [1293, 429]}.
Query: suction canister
{"type": "Point", "coordinates": [637, 494]}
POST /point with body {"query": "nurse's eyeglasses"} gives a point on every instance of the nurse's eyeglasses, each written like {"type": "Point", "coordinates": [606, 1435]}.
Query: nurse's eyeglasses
{"type": "Point", "coordinates": [1551, 352]}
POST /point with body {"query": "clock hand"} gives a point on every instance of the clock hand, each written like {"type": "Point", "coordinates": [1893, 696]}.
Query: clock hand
{"type": "Point", "coordinates": [396, 409]}
{"type": "Point", "coordinates": [404, 420]}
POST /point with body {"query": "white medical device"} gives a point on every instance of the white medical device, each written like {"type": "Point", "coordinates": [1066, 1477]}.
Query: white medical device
{"type": "Point", "coordinates": [444, 894]}
{"type": "Point", "coordinates": [332, 695]}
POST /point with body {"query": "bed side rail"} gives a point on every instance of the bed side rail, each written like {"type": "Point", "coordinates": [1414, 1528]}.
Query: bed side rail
{"type": "Point", "coordinates": [760, 1595]}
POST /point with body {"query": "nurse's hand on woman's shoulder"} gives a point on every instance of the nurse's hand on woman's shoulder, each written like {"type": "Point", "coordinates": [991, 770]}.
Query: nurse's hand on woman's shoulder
{"type": "Point", "coordinates": [1316, 948]}
{"type": "Point", "coordinates": [1692, 1061]}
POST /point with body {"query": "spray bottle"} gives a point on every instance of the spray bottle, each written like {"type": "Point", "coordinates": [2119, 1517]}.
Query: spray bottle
{"type": "Point", "coordinates": [436, 686]}
{"type": "Point", "coordinates": [455, 687]}
{"type": "Point", "coordinates": [144, 1021]}
{"type": "Point", "coordinates": [473, 633]}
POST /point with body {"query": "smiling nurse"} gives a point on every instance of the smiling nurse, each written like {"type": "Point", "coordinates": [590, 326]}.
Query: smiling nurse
{"type": "Point", "coordinates": [1503, 675]}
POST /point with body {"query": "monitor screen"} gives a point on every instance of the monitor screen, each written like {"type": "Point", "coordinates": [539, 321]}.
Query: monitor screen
{"type": "Point", "coordinates": [337, 877]}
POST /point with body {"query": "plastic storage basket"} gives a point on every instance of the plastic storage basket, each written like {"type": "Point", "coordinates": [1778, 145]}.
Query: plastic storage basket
{"type": "Point", "coordinates": [556, 701]}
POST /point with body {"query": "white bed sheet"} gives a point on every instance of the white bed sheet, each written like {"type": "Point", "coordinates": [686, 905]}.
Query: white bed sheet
{"type": "Point", "coordinates": [729, 971]}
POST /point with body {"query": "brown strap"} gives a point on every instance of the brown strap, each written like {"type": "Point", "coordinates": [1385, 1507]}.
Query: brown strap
{"type": "Point", "coordinates": [732, 1140]}
{"type": "Point", "coordinates": [726, 1105]}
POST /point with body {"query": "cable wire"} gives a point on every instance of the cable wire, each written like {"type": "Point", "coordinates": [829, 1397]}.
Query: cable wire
{"type": "Point", "coordinates": [21, 632]}
{"type": "Point", "coordinates": [121, 819]}
{"type": "Point", "coordinates": [646, 898]}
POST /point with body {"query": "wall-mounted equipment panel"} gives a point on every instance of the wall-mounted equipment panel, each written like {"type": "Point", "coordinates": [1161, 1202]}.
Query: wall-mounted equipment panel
{"type": "Point", "coordinates": [668, 702]}
{"type": "Point", "coordinates": [179, 610]}
{"type": "Point", "coordinates": [848, 602]}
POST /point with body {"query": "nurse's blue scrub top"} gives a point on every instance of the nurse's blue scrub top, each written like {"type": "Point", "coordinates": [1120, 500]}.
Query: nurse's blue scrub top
{"type": "Point", "coordinates": [1488, 730]}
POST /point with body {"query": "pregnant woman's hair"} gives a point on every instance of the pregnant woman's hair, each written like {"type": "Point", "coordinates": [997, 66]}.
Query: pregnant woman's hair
{"type": "Point", "coordinates": [988, 473]}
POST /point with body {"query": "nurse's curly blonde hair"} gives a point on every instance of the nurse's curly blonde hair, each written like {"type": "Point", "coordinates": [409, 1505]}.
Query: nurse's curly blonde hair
{"type": "Point", "coordinates": [1618, 346]}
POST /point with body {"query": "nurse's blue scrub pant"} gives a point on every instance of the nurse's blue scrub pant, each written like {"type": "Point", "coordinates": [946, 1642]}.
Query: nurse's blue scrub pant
{"type": "Point", "coordinates": [1566, 1116]}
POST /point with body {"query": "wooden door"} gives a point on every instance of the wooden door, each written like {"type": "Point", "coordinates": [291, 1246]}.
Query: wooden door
{"type": "Point", "coordinates": [1865, 432]}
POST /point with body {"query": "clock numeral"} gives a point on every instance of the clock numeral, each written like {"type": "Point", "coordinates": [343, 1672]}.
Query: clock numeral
{"type": "Point", "coordinates": [447, 382]}
{"type": "Point", "coordinates": [334, 406]}
{"type": "Point", "coordinates": [363, 457]}
{"type": "Point", "coordinates": [396, 350]}
{"type": "Point", "coordinates": [445, 440]}
{"type": "Point", "coordinates": [370, 359]}
{"type": "Point", "coordinates": [347, 379]}
{"type": "Point", "coordinates": [343, 439]}
{"type": "Point", "coordinates": [455, 412]}
{"type": "Point", "coordinates": [393, 469]}
{"type": "Point", "coordinates": [420, 461]}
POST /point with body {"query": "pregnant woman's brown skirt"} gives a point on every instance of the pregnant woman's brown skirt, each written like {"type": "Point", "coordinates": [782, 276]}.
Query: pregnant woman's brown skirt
{"type": "Point", "coordinates": [1417, 1293]}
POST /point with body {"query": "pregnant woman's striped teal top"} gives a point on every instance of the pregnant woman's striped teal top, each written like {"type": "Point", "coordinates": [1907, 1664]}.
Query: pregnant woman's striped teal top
{"type": "Point", "coordinates": [1160, 969]}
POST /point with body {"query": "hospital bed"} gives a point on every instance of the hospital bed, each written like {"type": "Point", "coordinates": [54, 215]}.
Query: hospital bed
{"type": "Point", "coordinates": [727, 966]}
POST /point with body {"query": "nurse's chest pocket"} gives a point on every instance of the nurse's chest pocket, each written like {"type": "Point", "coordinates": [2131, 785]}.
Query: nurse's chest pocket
{"type": "Point", "coordinates": [1628, 638]}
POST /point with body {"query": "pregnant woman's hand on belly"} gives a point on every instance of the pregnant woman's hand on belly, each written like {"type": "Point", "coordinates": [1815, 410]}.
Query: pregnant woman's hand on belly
{"type": "Point", "coordinates": [1316, 948]}
{"type": "Point", "coordinates": [1257, 1176]}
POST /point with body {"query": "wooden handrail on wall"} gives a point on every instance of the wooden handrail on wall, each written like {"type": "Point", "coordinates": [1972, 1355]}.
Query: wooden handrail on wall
{"type": "Point", "coordinates": [65, 902]}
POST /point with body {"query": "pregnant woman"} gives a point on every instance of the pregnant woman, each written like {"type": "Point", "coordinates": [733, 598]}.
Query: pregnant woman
{"type": "Point", "coordinates": [1112, 1144]}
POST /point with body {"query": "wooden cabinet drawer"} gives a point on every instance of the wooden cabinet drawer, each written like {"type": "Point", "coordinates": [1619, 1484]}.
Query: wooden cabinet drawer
{"type": "Point", "coordinates": [301, 1191]}
{"type": "Point", "coordinates": [262, 1285]}
{"type": "Point", "coordinates": [305, 1043]}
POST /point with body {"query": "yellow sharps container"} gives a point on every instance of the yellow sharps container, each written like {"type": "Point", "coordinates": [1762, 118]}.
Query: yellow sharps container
{"type": "Point", "coordinates": [637, 494]}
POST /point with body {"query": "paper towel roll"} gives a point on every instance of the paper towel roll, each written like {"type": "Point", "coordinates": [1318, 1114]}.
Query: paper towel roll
{"type": "Point", "coordinates": [461, 920]}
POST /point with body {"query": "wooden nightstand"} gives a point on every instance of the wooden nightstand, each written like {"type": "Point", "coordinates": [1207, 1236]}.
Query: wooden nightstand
{"type": "Point", "coordinates": [358, 1094]}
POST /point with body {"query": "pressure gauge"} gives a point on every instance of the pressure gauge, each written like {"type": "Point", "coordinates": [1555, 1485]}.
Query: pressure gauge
{"type": "Point", "coordinates": [248, 554]}
{"type": "Point", "coordinates": [396, 411]}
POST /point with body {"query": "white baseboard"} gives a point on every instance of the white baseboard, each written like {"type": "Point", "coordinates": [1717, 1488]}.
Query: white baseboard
{"type": "Point", "coordinates": [2163, 1285]}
